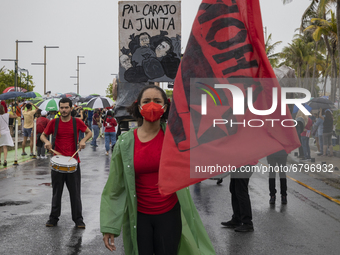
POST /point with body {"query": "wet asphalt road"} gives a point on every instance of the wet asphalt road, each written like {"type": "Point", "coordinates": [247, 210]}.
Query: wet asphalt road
{"type": "Point", "coordinates": [308, 224]}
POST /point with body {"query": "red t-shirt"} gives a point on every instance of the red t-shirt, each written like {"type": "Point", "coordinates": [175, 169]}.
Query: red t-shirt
{"type": "Point", "coordinates": [146, 163]}
{"type": "Point", "coordinates": [95, 116]}
{"type": "Point", "coordinates": [64, 142]}
{"type": "Point", "coordinates": [41, 124]}
{"type": "Point", "coordinates": [110, 124]}
{"type": "Point", "coordinates": [308, 127]}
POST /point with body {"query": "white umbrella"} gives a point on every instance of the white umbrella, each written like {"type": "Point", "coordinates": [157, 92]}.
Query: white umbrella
{"type": "Point", "coordinates": [99, 102]}
{"type": "Point", "coordinates": [49, 104]}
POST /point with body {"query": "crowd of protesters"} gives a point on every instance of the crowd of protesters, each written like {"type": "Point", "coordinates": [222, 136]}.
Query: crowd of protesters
{"type": "Point", "coordinates": [26, 112]}
{"type": "Point", "coordinates": [321, 127]}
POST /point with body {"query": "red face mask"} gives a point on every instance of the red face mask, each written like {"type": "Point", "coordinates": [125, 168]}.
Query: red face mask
{"type": "Point", "coordinates": [152, 111]}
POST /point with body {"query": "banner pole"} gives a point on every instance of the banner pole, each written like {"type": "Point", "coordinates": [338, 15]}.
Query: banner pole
{"type": "Point", "coordinates": [34, 138]}
{"type": "Point", "coordinates": [16, 144]}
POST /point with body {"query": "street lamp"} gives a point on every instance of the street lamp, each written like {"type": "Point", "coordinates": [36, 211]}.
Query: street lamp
{"type": "Point", "coordinates": [16, 62]}
{"type": "Point", "coordinates": [25, 70]}
{"type": "Point", "coordinates": [78, 72]}
{"type": "Point", "coordinates": [44, 64]}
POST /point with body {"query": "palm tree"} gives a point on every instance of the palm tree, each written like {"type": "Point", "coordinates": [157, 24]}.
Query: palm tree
{"type": "Point", "coordinates": [322, 7]}
{"type": "Point", "coordinates": [327, 30]}
{"type": "Point", "coordinates": [310, 13]}
{"type": "Point", "coordinates": [273, 58]}
{"type": "Point", "coordinates": [298, 55]}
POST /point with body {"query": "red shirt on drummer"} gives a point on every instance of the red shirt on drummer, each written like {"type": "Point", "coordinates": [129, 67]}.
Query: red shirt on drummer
{"type": "Point", "coordinates": [65, 144]}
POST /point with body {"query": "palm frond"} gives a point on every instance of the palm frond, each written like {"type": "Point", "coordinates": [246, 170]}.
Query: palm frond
{"type": "Point", "coordinates": [310, 12]}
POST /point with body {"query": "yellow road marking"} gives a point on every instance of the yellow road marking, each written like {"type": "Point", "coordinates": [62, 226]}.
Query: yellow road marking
{"type": "Point", "coordinates": [319, 192]}
{"type": "Point", "coordinates": [309, 187]}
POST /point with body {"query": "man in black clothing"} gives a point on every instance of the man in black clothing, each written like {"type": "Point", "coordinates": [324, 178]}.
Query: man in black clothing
{"type": "Point", "coordinates": [242, 217]}
{"type": "Point", "coordinates": [279, 160]}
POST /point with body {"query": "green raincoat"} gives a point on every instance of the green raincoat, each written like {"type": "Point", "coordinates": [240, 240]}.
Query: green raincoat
{"type": "Point", "coordinates": [119, 205]}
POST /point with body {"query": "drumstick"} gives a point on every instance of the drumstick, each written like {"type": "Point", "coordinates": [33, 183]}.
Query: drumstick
{"type": "Point", "coordinates": [74, 154]}
{"type": "Point", "coordinates": [58, 153]}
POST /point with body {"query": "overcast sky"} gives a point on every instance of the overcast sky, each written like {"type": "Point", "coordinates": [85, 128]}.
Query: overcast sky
{"type": "Point", "coordinates": [89, 28]}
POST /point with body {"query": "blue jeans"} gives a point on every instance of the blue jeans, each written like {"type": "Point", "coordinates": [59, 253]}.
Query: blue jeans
{"type": "Point", "coordinates": [109, 137]}
{"type": "Point", "coordinates": [321, 143]}
{"type": "Point", "coordinates": [305, 146]}
{"type": "Point", "coordinates": [89, 124]}
{"type": "Point", "coordinates": [95, 135]}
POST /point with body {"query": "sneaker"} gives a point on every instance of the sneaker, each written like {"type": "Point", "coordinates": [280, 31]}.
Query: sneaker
{"type": "Point", "coordinates": [80, 224]}
{"type": "Point", "coordinates": [51, 223]}
{"type": "Point", "coordinates": [245, 228]}
{"type": "Point", "coordinates": [284, 200]}
{"type": "Point", "coordinates": [319, 154]}
{"type": "Point", "coordinates": [231, 224]}
{"type": "Point", "coordinates": [31, 154]}
{"type": "Point", "coordinates": [272, 200]}
{"type": "Point", "coordinates": [23, 154]}
{"type": "Point", "coordinates": [38, 157]}
{"type": "Point", "coordinates": [107, 153]}
{"type": "Point", "coordinates": [43, 157]}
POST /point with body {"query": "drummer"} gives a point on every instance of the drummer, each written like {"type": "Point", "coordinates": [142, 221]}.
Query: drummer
{"type": "Point", "coordinates": [65, 145]}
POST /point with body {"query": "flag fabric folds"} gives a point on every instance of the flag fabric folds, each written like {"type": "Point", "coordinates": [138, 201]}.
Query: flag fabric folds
{"type": "Point", "coordinates": [227, 42]}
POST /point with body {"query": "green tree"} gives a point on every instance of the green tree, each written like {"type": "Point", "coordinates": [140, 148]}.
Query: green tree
{"type": "Point", "coordinates": [108, 91]}
{"type": "Point", "coordinates": [327, 30]}
{"type": "Point", "coordinates": [321, 7]}
{"type": "Point", "coordinates": [298, 55]}
{"type": "Point", "coordinates": [7, 78]}
{"type": "Point", "coordinates": [169, 93]}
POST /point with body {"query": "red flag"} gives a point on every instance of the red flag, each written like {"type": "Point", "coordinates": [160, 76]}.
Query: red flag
{"type": "Point", "coordinates": [226, 41]}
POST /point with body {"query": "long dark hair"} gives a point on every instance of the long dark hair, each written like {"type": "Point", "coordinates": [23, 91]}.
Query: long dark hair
{"type": "Point", "coordinates": [133, 109]}
{"type": "Point", "coordinates": [2, 109]}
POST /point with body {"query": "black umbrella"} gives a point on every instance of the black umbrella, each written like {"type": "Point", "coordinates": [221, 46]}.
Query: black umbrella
{"type": "Point", "coordinates": [320, 102]}
{"type": "Point", "coordinates": [77, 100]}
{"type": "Point", "coordinates": [99, 102]}
{"type": "Point", "coordinates": [81, 99]}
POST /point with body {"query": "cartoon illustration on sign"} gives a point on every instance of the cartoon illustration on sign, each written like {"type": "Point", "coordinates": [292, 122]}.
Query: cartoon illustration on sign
{"type": "Point", "coordinates": [149, 53]}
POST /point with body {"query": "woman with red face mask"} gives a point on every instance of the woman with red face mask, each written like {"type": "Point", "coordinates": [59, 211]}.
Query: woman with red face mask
{"type": "Point", "coordinates": [152, 223]}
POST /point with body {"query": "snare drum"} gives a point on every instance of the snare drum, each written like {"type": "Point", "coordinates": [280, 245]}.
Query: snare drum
{"type": "Point", "coordinates": [63, 164]}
